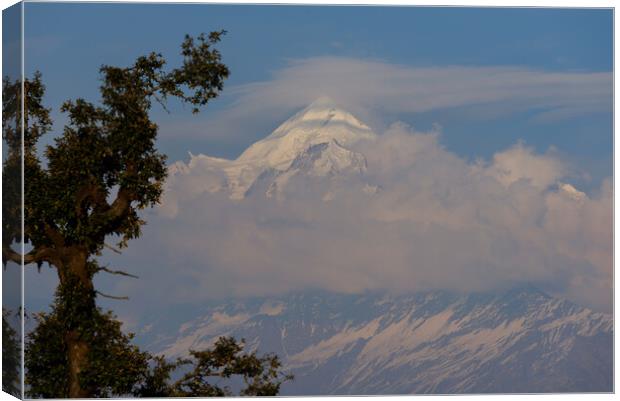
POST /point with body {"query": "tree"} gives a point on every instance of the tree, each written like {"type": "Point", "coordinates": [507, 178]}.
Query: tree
{"type": "Point", "coordinates": [113, 366]}
{"type": "Point", "coordinates": [261, 375]}
{"type": "Point", "coordinates": [100, 172]}
{"type": "Point", "coordinates": [116, 368]}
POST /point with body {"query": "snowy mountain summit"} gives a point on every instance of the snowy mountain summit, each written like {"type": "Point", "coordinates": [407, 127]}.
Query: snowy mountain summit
{"type": "Point", "coordinates": [321, 122]}
{"type": "Point", "coordinates": [315, 142]}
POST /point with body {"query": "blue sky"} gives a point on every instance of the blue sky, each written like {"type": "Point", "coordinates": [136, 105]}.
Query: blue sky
{"type": "Point", "coordinates": [491, 78]}
{"type": "Point", "coordinates": [68, 42]}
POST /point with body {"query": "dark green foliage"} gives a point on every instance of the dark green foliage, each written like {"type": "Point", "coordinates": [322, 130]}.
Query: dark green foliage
{"type": "Point", "coordinates": [261, 376]}
{"type": "Point", "coordinates": [202, 71]}
{"type": "Point", "coordinates": [10, 357]}
{"type": "Point", "coordinates": [113, 367]}
{"type": "Point", "coordinates": [157, 379]}
{"type": "Point", "coordinates": [37, 123]}
{"type": "Point", "coordinates": [98, 175]}
{"type": "Point", "coordinates": [117, 368]}
{"type": "Point", "coordinates": [106, 151]}
{"type": "Point", "coordinates": [113, 146]}
{"type": "Point", "coordinates": [37, 120]}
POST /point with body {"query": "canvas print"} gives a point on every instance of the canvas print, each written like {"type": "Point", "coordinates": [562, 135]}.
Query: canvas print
{"type": "Point", "coordinates": [208, 200]}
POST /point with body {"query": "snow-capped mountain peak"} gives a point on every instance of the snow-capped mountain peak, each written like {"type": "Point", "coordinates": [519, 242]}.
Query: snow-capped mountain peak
{"type": "Point", "coordinates": [323, 112]}
{"type": "Point", "coordinates": [320, 122]}
{"type": "Point", "coordinates": [323, 160]}
{"type": "Point", "coordinates": [315, 142]}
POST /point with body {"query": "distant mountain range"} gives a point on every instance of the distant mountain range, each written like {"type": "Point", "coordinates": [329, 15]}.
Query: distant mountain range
{"type": "Point", "coordinates": [520, 340]}
{"type": "Point", "coordinates": [313, 153]}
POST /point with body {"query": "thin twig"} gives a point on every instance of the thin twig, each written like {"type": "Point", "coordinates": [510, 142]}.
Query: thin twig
{"type": "Point", "coordinates": [111, 296]}
{"type": "Point", "coordinates": [120, 272]}
{"type": "Point", "coordinates": [162, 103]}
{"type": "Point", "coordinates": [113, 249]}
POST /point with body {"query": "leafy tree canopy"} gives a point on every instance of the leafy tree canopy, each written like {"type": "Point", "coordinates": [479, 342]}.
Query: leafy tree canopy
{"type": "Point", "coordinates": [114, 364]}
{"type": "Point", "coordinates": [261, 376]}
{"type": "Point", "coordinates": [104, 168]}
{"type": "Point", "coordinates": [96, 177]}
{"type": "Point", "coordinates": [117, 368]}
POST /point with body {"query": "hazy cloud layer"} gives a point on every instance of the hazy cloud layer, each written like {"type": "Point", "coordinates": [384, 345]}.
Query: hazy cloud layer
{"type": "Point", "coordinates": [370, 89]}
{"type": "Point", "coordinates": [438, 222]}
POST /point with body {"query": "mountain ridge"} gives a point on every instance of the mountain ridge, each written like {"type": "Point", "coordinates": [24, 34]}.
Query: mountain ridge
{"type": "Point", "coordinates": [519, 339]}
{"type": "Point", "coordinates": [427, 342]}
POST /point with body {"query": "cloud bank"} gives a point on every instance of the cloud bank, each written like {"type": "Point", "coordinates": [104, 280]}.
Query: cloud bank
{"type": "Point", "coordinates": [370, 89]}
{"type": "Point", "coordinates": [438, 222]}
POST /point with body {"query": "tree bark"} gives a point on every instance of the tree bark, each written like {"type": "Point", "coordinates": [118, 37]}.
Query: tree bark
{"type": "Point", "coordinates": [75, 266]}
{"type": "Point", "coordinates": [77, 350]}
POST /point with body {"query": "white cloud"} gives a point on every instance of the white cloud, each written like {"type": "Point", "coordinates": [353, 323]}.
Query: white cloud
{"type": "Point", "coordinates": [520, 163]}
{"type": "Point", "coordinates": [372, 88]}
{"type": "Point", "coordinates": [439, 222]}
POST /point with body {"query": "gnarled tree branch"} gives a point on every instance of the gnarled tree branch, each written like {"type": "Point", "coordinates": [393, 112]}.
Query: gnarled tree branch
{"type": "Point", "coordinates": [44, 254]}
{"type": "Point", "coordinates": [95, 194]}
{"type": "Point", "coordinates": [55, 235]}
{"type": "Point", "coordinates": [118, 209]}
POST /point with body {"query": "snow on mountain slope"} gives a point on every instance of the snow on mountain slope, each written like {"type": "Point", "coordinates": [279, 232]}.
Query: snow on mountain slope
{"type": "Point", "coordinates": [314, 142]}
{"type": "Point", "coordinates": [521, 340]}
{"type": "Point", "coordinates": [320, 122]}
{"type": "Point", "coordinates": [327, 159]}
